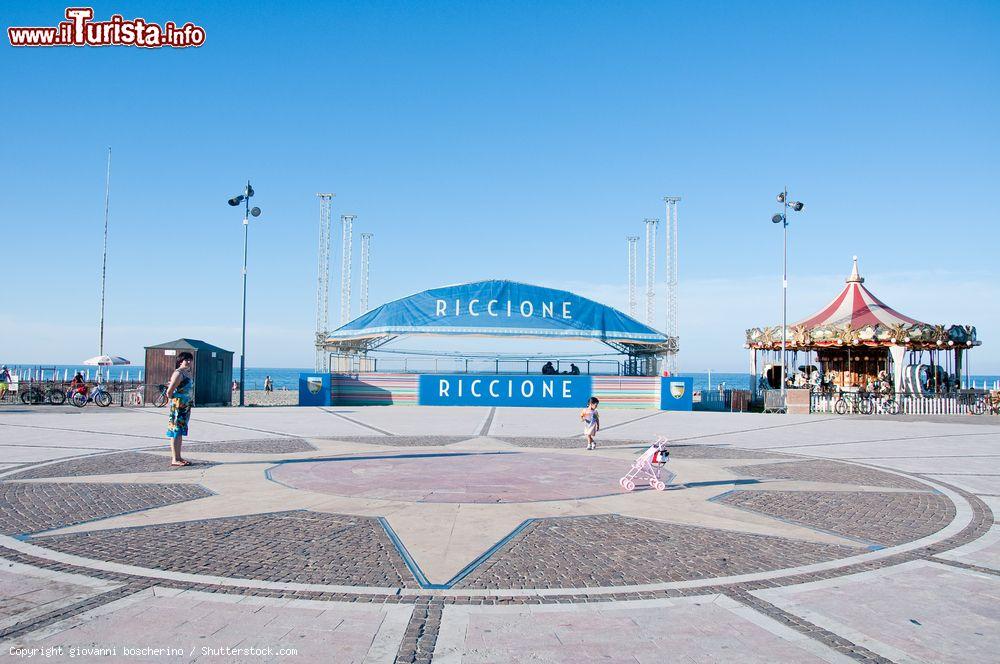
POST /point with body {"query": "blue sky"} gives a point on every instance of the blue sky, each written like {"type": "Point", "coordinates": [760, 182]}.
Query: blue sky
{"type": "Point", "coordinates": [509, 139]}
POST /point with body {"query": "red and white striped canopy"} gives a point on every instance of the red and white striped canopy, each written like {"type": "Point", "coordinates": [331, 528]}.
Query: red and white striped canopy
{"type": "Point", "coordinates": [857, 306]}
{"type": "Point", "coordinates": [857, 318]}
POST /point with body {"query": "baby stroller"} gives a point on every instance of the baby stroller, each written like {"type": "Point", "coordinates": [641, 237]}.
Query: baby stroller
{"type": "Point", "coordinates": [650, 467]}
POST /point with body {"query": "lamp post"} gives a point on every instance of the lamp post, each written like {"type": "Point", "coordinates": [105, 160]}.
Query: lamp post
{"type": "Point", "coordinates": [782, 218]}
{"type": "Point", "coordinates": [247, 213]}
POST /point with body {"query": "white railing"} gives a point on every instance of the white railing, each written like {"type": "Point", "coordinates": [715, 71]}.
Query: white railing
{"type": "Point", "coordinates": [965, 402]}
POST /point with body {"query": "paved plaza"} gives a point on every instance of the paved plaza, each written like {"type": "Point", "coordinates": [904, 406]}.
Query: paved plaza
{"type": "Point", "coordinates": [418, 534]}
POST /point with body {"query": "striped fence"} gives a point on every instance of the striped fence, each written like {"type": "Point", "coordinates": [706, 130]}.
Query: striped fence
{"type": "Point", "coordinates": [627, 391]}
{"type": "Point", "coordinates": [374, 389]}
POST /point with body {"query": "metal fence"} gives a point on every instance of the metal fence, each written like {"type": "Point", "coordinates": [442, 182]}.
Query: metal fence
{"type": "Point", "coordinates": [965, 402]}
{"type": "Point", "coordinates": [47, 392]}
{"type": "Point", "coordinates": [774, 401]}
{"type": "Point", "coordinates": [730, 401]}
{"type": "Point", "coordinates": [473, 365]}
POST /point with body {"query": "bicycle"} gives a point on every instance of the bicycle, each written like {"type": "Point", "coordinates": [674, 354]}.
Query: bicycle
{"type": "Point", "coordinates": [976, 403]}
{"type": "Point", "coordinates": [991, 403]}
{"type": "Point", "coordinates": [34, 395]}
{"type": "Point", "coordinates": [856, 402]}
{"type": "Point", "coordinates": [134, 396]}
{"type": "Point", "coordinates": [883, 404]}
{"type": "Point", "coordinates": [986, 404]}
{"type": "Point", "coordinates": [160, 400]}
{"type": "Point", "coordinates": [98, 395]}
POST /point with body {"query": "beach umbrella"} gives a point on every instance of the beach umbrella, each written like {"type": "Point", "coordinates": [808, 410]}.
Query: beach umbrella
{"type": "Point", "coordinates": [106, 361]}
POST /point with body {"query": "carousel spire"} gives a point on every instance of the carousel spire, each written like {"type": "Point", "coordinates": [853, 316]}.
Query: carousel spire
{"type": "Point", "coordinates": [855, 278]}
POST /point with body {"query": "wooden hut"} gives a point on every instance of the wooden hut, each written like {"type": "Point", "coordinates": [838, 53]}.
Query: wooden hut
{"type": "Point", "coordinates": [213, 370]}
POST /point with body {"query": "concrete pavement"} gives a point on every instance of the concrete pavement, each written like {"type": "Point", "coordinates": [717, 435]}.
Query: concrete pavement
{"type": "Point", "coordinates": [467, 534]}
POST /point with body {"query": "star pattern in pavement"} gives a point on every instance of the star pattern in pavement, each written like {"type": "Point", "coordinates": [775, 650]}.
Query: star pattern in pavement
{"type": "Point", "coordinates": [449, 505]}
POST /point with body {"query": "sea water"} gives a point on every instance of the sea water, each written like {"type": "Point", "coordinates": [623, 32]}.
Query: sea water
{"type": "Point", "coordinates": [287, 378]}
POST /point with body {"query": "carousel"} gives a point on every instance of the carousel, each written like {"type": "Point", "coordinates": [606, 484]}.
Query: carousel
{"type": "Point", "coordinates": [858, 342]}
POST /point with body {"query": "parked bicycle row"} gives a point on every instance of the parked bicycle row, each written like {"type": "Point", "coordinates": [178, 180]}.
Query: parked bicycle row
{"type": "Point", "coordinates": [972, 402]}
{"type": "Point", "coordinates": [80, 394]}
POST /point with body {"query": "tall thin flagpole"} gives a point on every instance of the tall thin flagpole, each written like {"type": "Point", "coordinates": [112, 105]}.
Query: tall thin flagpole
{"type": "Point", "coordinates": [104, 266]}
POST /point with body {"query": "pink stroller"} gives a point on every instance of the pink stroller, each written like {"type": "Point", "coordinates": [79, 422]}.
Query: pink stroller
{"type": "Point", "coordinates": [650, 466]}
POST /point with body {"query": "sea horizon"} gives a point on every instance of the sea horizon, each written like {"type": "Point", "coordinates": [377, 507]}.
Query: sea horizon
{"type": "Point", "coordinates": [287, 378]}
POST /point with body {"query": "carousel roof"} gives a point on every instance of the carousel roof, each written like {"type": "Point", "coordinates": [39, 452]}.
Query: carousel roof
{"type": "Point", "coordinates": [857, 306]}
{"type": "Point", "coordinates": [856, 317]}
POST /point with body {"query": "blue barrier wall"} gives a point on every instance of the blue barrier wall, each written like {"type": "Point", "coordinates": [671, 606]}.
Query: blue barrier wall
{"type": "Point", "coordinates": [314, 389]}
{"type": "Point", "coordinates": [560, 391]}
{"type": "Point", "coordinates": [676, 393]}
{"type": "Point", "coordinates": [535, 391]}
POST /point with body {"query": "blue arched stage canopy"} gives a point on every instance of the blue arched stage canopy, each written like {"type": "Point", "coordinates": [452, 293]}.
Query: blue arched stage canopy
{"type": "Point", "coordinates": [499, 308]}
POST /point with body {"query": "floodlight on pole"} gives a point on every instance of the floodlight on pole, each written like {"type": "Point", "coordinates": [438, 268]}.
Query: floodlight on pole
{"type": "Point", "coordinates": [782, 218]}
{"type": "Point", "coordinates": [247, 213]}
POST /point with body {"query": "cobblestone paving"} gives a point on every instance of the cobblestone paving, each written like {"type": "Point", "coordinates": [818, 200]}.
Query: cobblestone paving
{"type": "Point", "coordinates": [822, 470]}
{"type": "Point", "coordinates": [268, 446]}
{"type": "Point", "coordinates": [296, 546]}
{"type": "Point", "coordinates": [612, 550]}
{"type": "Point", "coordinates": [980, 524]}
{"type": "Point", "coordinates": [107, 464]}
{"type": "Point", "coordinates": [402, 441]}
{"type": "Point", "coordinates": [34, 507]}
{"type": "Point", "coordinates": [417, 646]}
{"type": "Point", "coordinates": [881, 517]}
{"type": "Point", "coordinates": [427, 621]}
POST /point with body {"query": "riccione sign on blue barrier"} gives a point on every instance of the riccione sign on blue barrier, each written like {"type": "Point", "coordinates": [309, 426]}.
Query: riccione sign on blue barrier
{"type": "Point", "coordinates": [559, 391]}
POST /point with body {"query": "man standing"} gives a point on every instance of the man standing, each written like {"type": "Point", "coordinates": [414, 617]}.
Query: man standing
{"type": "Point", "coordinates": [4, 381]}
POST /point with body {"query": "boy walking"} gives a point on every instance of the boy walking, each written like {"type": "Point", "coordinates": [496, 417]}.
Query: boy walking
{"type": "Point", "coordinates": [591, 422]}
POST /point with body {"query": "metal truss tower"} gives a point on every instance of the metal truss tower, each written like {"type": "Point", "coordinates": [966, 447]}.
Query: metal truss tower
{"type": "Point", "coordinates": [672, 272]}
{"type": "Point", "coordinates": [347, 221]}
{"type": "Point", "coordinates": [633, 256]}
{"type": "Point", "coordinates": [323, 282]}
{"type": "Point", "coordinates": [651, 225]}
{"type": "Point", "coordinates": [366, 269]}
